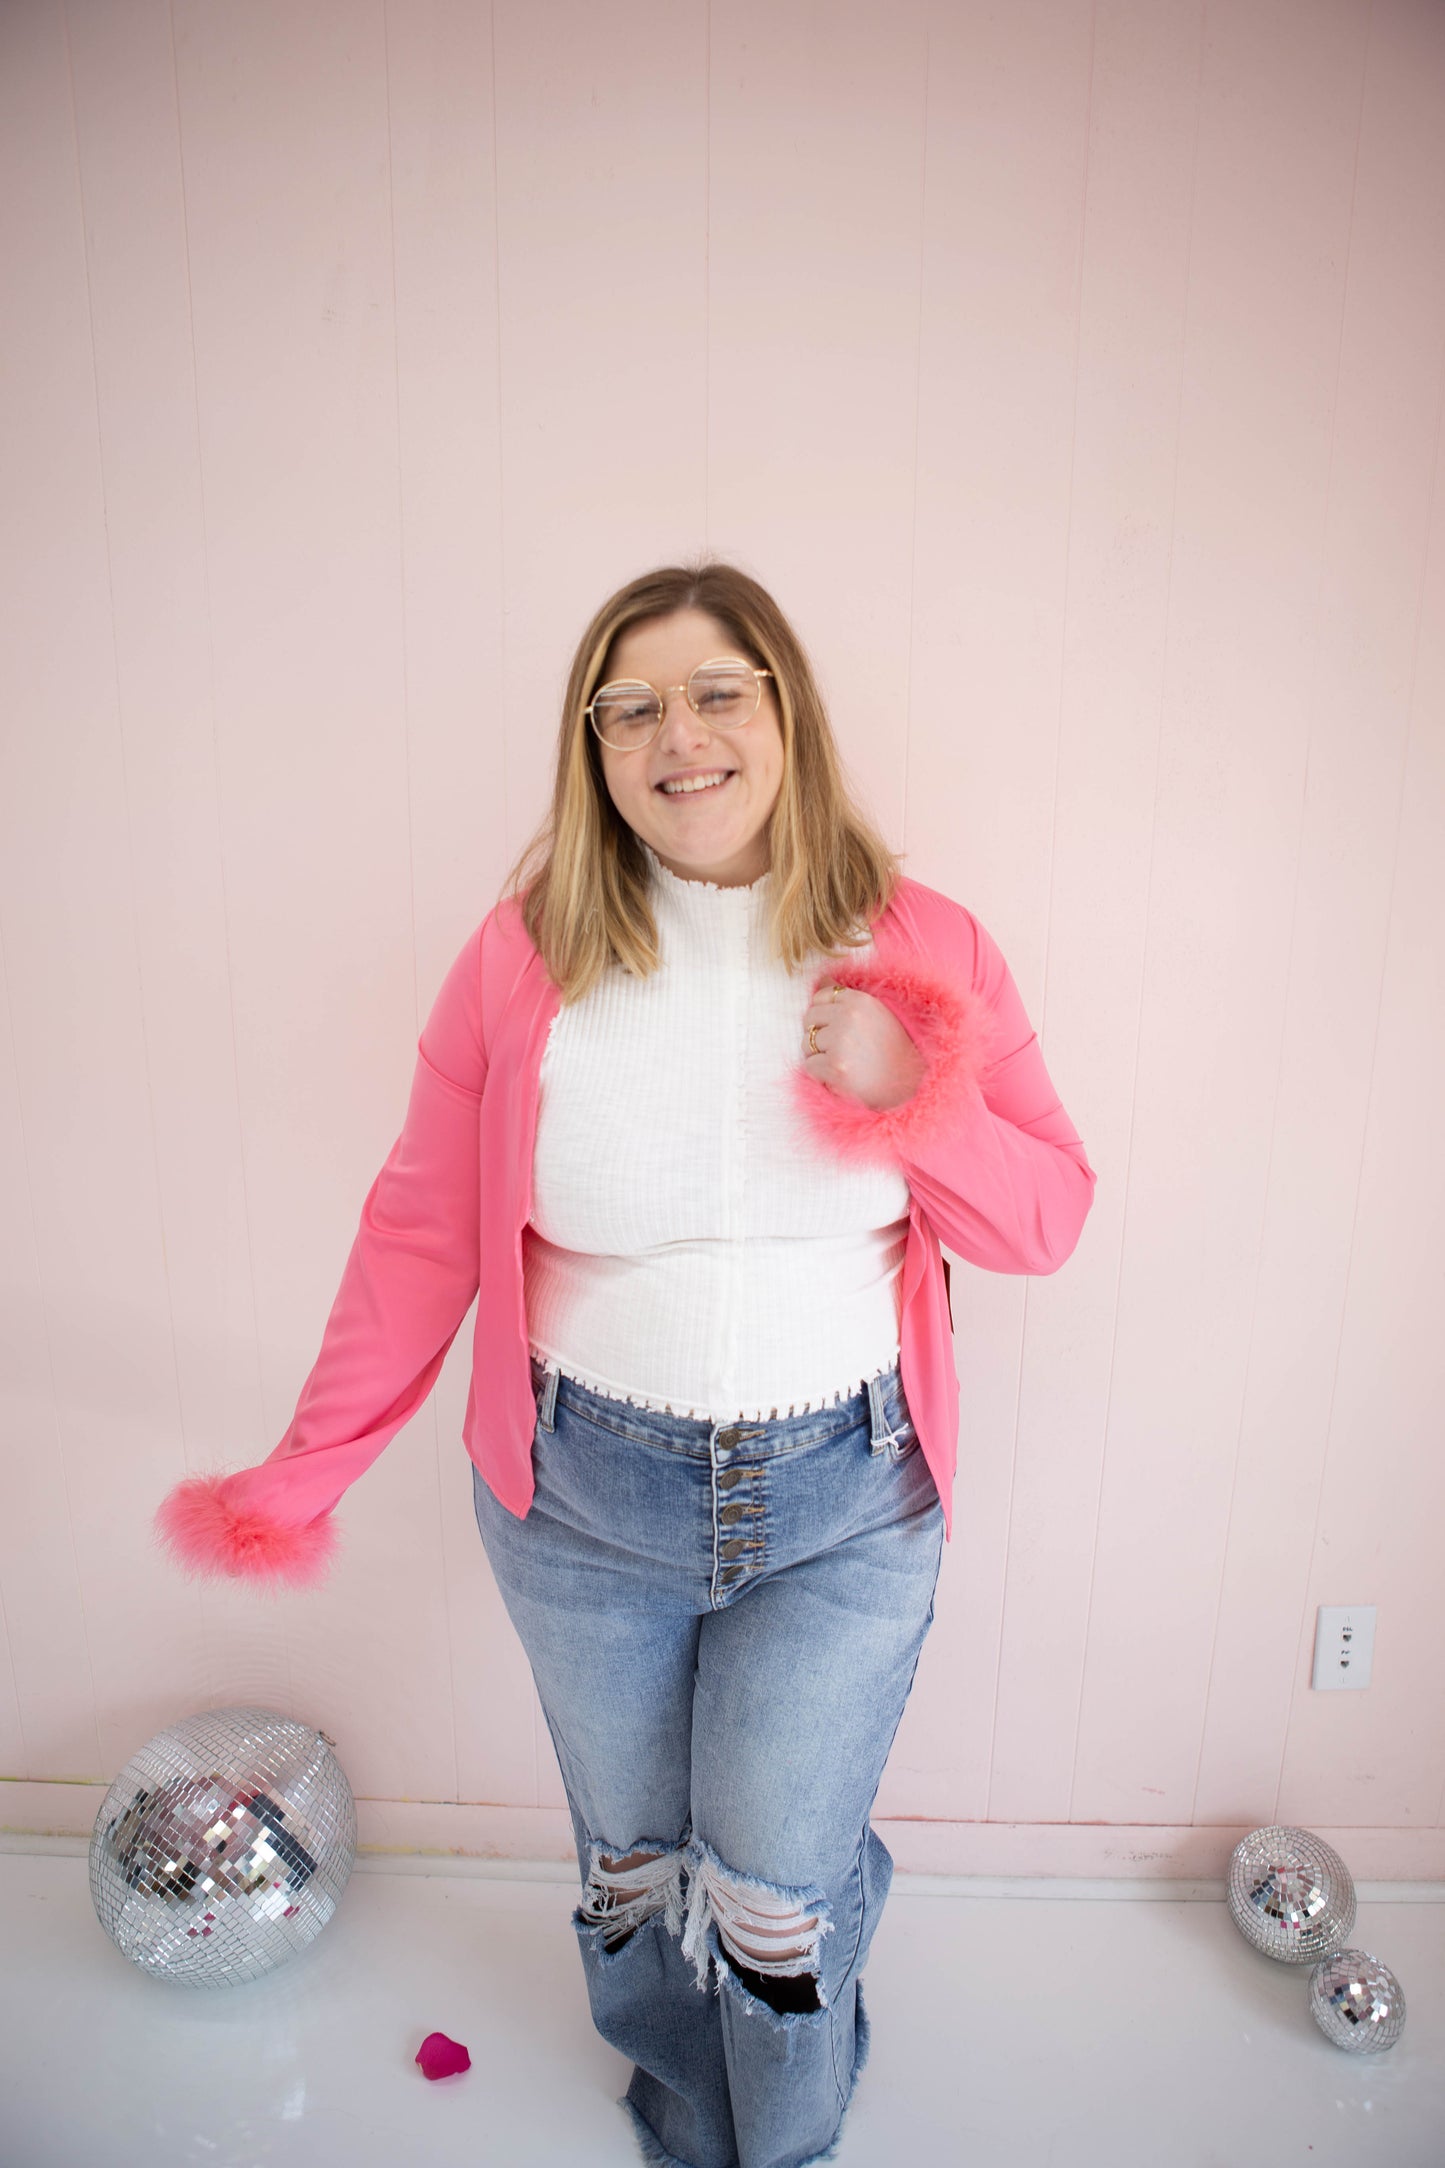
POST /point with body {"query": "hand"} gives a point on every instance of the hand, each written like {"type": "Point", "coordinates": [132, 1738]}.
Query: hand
{"type": "Point", "coordinates": [863, 1050]}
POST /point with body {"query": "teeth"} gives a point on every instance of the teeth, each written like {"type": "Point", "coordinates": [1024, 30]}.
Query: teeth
{"type": "Point", "coordinates": [676, 790]}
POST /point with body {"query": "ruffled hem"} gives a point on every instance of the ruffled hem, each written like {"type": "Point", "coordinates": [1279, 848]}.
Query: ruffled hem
{"type": "Point", "coordinates": [694, 1413]}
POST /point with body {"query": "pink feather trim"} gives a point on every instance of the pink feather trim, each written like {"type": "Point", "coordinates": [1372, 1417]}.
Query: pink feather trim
{"type": "Point", "coordinates": [211, 1533]}
{"type": "Point", "coordinates": [951, 1026]}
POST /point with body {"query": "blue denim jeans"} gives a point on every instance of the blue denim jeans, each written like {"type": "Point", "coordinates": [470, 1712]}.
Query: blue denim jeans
{"type": "Point", "coordinates": [723, 1622]}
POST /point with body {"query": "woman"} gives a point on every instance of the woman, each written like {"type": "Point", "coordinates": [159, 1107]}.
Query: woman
{"type": "Point", "coordinates": [692, 1110]}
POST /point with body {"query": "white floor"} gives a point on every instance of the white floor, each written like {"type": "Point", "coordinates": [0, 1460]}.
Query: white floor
{"type": "Point", "coordinates": [1015, 2025]}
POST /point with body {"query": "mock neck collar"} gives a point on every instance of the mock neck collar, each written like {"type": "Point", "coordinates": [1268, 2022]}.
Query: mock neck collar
{"type": "Point", "coordinates": [702, 898]}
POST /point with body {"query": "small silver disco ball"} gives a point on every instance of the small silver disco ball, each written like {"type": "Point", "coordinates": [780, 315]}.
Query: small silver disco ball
{"type": "Point", "coordinates": [223, 1846]}
{"type": "Point", "coordinates": [1357, 2002]}
{"type": "Point", "coordinates": [1290, 1894]}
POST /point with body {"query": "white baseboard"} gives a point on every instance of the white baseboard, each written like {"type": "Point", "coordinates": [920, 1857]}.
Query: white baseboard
{"type": "Point", "coordinates": [460, 1866]}
{"type": "Point", "coordinates": [983, 1858]}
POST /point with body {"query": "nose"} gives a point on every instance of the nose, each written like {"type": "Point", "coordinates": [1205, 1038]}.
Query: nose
{"type": "Point", "coordinates": [681, 724]}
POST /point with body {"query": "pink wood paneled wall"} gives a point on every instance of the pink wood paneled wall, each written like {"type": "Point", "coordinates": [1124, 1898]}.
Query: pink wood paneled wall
{"type": "Point", "coordinates": [1072, 371]}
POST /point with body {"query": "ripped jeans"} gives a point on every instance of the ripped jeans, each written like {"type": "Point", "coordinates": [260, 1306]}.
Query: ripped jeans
{"type": "Point", "coordinates": [723, 1622]}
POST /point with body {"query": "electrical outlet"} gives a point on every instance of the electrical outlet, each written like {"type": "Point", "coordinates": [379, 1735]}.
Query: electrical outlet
{"type": "Point", "coordinates": [1344, 1645]}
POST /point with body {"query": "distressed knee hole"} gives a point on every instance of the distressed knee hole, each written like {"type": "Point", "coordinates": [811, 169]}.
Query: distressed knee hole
{"type": "Point", "coordinates": [756, 1949]}
{"type": "Point", "coordinates": [784, 1995]}
{"type": "Point", "coordinates": [769, 1934]}
{"type": "Point", "coordinates": [624, 1891]}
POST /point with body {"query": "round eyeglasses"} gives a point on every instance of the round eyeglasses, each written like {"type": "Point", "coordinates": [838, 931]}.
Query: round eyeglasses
{"type": "Point", "coordinates": [627, 713]}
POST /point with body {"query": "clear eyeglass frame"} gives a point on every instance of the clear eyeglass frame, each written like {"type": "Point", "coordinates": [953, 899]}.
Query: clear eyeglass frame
{"type": "Point", "coordinates": [614, 685]}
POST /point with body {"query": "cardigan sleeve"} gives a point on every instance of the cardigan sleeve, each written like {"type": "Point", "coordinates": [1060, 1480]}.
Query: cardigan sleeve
{"type": "Point", "coordinates": [984, 1140]}
{"type": "Point", "coordinates": [409, 1281]}
{"type": "Point", "coordinates": [1007, 1185]}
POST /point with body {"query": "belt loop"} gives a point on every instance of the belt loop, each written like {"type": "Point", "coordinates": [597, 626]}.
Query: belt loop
{"type": "Point", "coordinates": [881, 1435]}
{"type": "Point", "coordinates": [547, 1405]}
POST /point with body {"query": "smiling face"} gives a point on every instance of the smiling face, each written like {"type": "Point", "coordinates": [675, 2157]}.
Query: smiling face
{"type": "Point", "coordinates": [719, 834]}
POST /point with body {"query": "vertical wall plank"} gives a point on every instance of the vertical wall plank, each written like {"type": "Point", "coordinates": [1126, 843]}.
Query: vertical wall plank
{"type": "Point", "coordinates": [285, 149]}
{"type": "Point", "coordinates": [1139, 190]}
{"type": "Point", "coordinates": [1359, 666]}
{"type": "Point", "coordinates": [1262, 339]}
{"type": "Point", "coordinates": [1378, 1757]}
{"type": "Point", "coordinates": [1009, 99]}
{"type": "Point", "coordinates": [29, 1465]}
{"type": "Point", "coordinates": [73, 1568]}
{"type": "Point", "coordinates": [123, 72]}
{"type": "Point", "coordinates": [441, 147]}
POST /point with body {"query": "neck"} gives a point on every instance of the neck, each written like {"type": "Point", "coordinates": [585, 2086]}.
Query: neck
{"type": "Point", "coordinates": [706, 880]}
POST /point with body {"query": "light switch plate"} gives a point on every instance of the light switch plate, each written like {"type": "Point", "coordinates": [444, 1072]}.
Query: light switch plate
{"type": "Point", "coordinates": [1344, 1645]}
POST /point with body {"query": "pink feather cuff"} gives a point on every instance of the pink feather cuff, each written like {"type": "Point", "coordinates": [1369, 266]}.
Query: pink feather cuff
{"type": "Point", "coordinates": [951, 1026]}
{"type": "Point", "coordinates": [211, 1533]}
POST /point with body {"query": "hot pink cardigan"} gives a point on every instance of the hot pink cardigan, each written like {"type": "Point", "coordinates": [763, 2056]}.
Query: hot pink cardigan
{"type": "Point", "coordinates": [994, 1167]}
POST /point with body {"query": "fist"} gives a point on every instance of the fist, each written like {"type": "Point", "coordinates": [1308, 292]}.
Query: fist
{"type": "Point", "coordinates": [862, 1049]}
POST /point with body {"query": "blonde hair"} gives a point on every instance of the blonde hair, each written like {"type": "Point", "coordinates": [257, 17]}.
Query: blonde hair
{"type": "Point", "coordinates": [583, 879]}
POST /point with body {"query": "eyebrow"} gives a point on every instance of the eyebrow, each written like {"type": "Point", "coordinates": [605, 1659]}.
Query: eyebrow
{"type": "Point", "coordinates": [634, 677]}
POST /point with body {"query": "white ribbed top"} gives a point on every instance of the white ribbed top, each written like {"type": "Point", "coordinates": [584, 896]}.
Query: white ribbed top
{"type": "Point", "coordinates": [691, 1247]}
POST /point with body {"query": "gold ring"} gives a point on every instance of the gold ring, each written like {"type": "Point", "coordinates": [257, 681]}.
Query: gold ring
{"type": "Point", "coordinates": [813, 1039]}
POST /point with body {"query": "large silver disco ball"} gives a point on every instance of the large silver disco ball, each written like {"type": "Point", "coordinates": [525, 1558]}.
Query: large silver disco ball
{"type": "Point", "coordinates": [223, 1846]}
{"type": "Point", "coordinates": [1357, 2002]}
{"type": "Point", "coordinates": [1290, 1894]}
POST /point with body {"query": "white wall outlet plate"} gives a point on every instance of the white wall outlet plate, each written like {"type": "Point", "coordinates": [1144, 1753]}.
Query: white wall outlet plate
{"type": "Point", "coordinates": [1344, 1645]}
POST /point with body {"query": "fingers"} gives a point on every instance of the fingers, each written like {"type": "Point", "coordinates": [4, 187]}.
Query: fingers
{"type": "Point", "coordinates": [824, 1005]}
{"type": "Point", "coordinates": [821, 1012]}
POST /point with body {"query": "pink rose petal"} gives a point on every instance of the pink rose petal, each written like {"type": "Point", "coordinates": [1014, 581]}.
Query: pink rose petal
{"type": "Point", "coordinates": [442, 2058]}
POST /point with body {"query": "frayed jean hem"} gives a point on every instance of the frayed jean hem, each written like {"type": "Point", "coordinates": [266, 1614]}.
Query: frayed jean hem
{"type": "Point", "coordinates": [657, 2155]}
{"type": "Point", "coordinates": [653, 2149]}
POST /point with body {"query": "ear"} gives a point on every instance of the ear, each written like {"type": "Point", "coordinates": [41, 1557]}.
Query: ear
{"type": "Point", "coordinates": [212, 1533]}
{"type": "Point", "coordinates": [951, 1026]}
